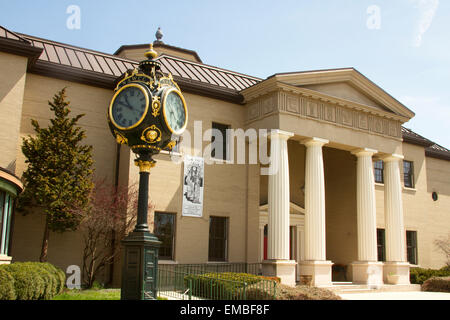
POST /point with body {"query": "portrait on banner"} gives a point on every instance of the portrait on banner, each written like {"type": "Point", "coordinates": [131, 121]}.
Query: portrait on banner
{"type": "Point", "coordinates": [193, 184]}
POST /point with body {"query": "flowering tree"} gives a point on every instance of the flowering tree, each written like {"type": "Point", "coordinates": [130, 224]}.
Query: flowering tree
{"type": "Point", "coordinates": [111, 215]}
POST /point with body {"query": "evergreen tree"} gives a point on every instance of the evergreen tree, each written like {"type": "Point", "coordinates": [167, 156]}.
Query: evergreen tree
{"type": "Point", "coordinates": [59, 172]}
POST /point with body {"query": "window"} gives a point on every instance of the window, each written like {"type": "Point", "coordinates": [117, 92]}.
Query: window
{"type": "Point", "coordinates": [219, 148]}
{"type": "Point", "coordinates": [218, 238]}
{"type": "Point", "coordinates": [6, 204]}
{"type": "Point", "coordinates": [165, 232]}
{"type": "Point", "coordinates": [408, 174]}
{"type": "Point", "coordinates": [381, 245]}
{"type": "Point", "coordinates": [411, 246]}
{"type": "Point", "coordinates": [378, 170]}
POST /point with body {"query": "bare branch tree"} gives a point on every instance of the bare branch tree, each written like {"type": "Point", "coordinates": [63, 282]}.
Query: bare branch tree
{"type": "Point", "coordinates": [444, 246]}
{"type": "Point", "coordinates": [111, 215]}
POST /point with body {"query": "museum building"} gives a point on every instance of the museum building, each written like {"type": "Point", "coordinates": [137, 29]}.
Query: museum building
{"type": "Point", "coordinates": [354, 187]}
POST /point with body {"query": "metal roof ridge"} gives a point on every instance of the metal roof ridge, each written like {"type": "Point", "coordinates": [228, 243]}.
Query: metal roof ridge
{"type": "Point", "coordinates": [18, 35]}
{"type": "Point", "coordinates": [210, 66]}
{"type": "Point", "coordinates": [311, 71]}
{"type": "Point", "coordinates": [85, 50]}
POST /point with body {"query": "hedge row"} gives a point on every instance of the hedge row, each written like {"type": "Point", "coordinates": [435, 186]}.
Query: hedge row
{"type": "Point", "coordinates": [420, 275]}
{"type": "Point", "coordinates": [30, 281]}
{"type": "Point", "coordinates": [231, 286]}
{"type": "Point", "coordinates": [437, 284]}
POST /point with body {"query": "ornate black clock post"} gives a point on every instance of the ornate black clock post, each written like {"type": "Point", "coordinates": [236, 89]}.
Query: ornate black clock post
{"type": "Point", "coordinates": [147, 113]}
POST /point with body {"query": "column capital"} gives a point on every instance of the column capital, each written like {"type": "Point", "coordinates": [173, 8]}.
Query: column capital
{"type": "Point", "coordinates": [314, 142]}
{"type": "Point", "coordinates": [364, 152]}
{"type": "Point", "coordinates": [277, 133]}
{"type": "Point", "coordinates": [392, 157]}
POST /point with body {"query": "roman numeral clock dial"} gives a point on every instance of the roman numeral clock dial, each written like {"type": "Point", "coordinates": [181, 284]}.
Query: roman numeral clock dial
{"type": "Point", "coordinates": [129, 106]}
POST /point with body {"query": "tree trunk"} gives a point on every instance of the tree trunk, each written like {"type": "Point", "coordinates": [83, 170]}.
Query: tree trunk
{"type": "Point", "coordinates": [44, 248]}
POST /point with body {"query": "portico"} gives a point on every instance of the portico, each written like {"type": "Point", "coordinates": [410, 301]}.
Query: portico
{"type": "Point", "coordinates": [359, 126]}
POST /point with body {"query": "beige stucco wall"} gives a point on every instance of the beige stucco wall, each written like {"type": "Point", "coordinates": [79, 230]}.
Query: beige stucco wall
{"type": "Point", "coordinates": [340, 205]}
{"type": "Point", "coordinates": [12, 83]}
{"type": "Point", "coordinates": [64, 249]}
{"type": "Point", "coordinates": [436, 215]}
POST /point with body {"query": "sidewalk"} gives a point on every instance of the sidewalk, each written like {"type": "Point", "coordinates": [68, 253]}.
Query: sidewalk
{"type": "Point", "coordinates": [410, 295]}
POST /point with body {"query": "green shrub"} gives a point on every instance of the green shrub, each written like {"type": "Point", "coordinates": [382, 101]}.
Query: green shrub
{"type": "Point", "coordinates": [420, 275]}
{"type": "Point", "coordinates": [305, 293]}
{"type": "Point", "coordinates": [33, 280]}
{"type": "Point", "coordinates": [7, 291]}
{"type": "Point", "coordinates": [437, 284]}
{"type": "Point", "coordinates": [229, 285]}
{"type": "Point", "coordinates": [25, 283]}
{"type": "Point", "coordinates": [59, 276]}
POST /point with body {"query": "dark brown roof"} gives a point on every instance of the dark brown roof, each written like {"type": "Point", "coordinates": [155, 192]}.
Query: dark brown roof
{"type": "Point", "coordinates": [410, 136]}
{"type": "Point", "coordinates": [100, 69]}
{"type": "Point", "coordinates": [159, 44]}
{"type": "Point", "coordinates": [437, 151]}
{"type": "Point", "coordinates": [206, 74]}
{"type": "Point", "coordinates": [5, 33]}
{"type": "Point", "coordinates": [432, 149]}
{"type": "Point", "coordinates": [12, 42]}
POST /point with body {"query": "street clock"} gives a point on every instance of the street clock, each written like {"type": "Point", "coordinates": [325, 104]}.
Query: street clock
{"type": "Point", "coordinates": [147, 111]}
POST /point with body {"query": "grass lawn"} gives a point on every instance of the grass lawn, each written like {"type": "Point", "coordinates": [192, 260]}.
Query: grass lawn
{"type": "Point", "coordinates": [93, 294]}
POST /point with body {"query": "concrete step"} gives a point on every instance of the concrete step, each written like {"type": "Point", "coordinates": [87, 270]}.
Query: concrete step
{"type": "Point", "coordinates": [348, 287]}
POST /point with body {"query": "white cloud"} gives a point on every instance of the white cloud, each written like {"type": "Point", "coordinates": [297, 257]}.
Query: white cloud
{"type": "Point", "coordinates": [427, 10]}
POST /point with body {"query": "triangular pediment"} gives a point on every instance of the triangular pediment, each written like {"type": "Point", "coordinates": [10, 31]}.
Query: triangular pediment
{"type": "Point", "coordinates": [345, 90]}
{"type": "Point", "coordinates": [341, 86]}
{"type": "Point", "coordinates": [348, 84]}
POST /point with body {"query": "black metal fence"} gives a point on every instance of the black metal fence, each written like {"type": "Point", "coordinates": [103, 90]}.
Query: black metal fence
{"type": "Point", "coordinates": [227, 281]}
{"type": "Point", "coordinates": [200, 268]}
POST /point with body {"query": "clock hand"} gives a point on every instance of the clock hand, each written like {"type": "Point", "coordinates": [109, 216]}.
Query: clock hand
{"type": "Point", "coordinates": [126, 105]}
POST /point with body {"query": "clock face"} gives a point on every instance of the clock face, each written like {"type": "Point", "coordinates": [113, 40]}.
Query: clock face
{"type": "Point", "coordinates": [175, 111]}
{"type": "Point", "coordinates": [129, 106]}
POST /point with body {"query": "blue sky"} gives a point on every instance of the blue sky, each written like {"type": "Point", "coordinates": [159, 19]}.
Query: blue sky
{"type": "Point", "coordinates": [400, 45]}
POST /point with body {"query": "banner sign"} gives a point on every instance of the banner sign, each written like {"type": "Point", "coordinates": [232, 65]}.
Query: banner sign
{"type": "Point", "coordinates": [193, 183]}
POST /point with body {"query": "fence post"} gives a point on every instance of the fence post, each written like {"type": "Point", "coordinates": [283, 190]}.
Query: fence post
{"type": "Point", "coordinates": [274, 290]}
{"type": "Point", "coordinates": [190, 289]}
{"type": "Point", "coordinates": [245, 291]}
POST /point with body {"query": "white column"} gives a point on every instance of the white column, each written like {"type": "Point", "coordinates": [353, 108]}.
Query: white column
{"type": "Point", "coordinates": [396, 264]}
{"type": "Point", "coordinates": [367, 269]}
{"type": "Point", "coordinates": [261, 243]}
{"type": "Point", "coordinates": [314, 201]}
{"type": "Point", "coordinates": [278, 197]}
{"type": "Point", "coordinates": [393, 210]}
{"type": "Point", "coordinates": [366, 207]}
{"type": "Point", "coordinates": [315, 267]}
{"type": "Point", "coordinates": [278, 263]}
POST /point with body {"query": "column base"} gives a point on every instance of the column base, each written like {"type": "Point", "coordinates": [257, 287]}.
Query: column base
{"type": "Point", "coordinates": [396, 272]}
{"type": "Point", "coordinates": [5, 259]}
{"type": "Point", "coordinates": [367, 272]}
{"type": "Point", "coordinates": [283, 269]}
{"type": "Point", "coordinates": [320, 271]}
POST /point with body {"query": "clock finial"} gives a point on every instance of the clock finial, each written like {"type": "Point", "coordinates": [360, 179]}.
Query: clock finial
{"type": "Point", "coordinates": [151, 53]}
